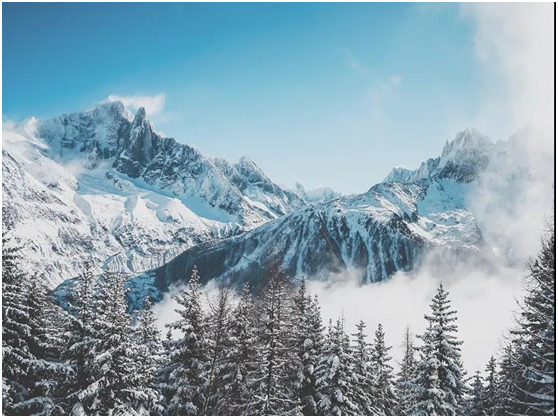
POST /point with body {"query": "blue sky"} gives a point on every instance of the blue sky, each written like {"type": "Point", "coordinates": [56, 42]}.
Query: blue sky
{"type": "Point", "coordinates": [326, 94]}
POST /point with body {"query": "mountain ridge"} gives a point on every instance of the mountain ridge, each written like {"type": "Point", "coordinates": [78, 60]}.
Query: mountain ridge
{"type": "Point", "coordinates": [389, 228]}
{"type": "Point", "coordinates": [140, 197]}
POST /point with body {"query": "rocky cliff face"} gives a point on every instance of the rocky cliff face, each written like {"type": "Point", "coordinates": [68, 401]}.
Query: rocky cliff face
{"type": "Point", "coordinates": [105, 185]}
{"type": "Point", "coordinates": [375, 234]}
{"type": "Point", "coordinates": [462, 160]}
{"type": "Point", "coordinates": [389, 228]}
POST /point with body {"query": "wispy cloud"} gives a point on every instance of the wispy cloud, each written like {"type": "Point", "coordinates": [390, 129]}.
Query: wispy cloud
{"type": "Point", "coordinates": [395, 79]}
{"type": "Point", "coordinates": [514, 46]}
{"type": "Point", "coordinates": [354, 63]}
{"type": "Point", "coordinates": [153, 104]}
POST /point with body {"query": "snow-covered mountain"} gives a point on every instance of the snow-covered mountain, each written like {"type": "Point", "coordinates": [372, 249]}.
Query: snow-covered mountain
{"type": "Point", "coordinates": [105, 185]}
{"type": "Point", "coordinates": [462, 160]}
{"type": "Point", "coordinates": [387, 229]}
{"type": "Point", "coordinates": [318, 195]}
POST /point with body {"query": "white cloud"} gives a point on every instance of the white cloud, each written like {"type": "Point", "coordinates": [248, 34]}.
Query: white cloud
{"type": "Point", "coordinates": [484, 301]}
{"type": "Point", "coordinates": [152, 104]}
{"type": "Point", "coordinates": [514, 47]}
{"type": "Point", "coordinates": [395, 79]}
{"type": "Point", "coordinates": [355, 64]}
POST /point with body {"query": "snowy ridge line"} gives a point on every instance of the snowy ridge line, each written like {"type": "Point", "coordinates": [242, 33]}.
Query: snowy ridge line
{"type": "Point", "coordinates": [390, 228]}
{"type": "Point", "coordinates": [128, 198]}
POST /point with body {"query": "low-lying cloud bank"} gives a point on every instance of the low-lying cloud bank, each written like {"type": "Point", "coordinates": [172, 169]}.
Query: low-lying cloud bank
{"type": "Point", "coordinates": [484, 302]}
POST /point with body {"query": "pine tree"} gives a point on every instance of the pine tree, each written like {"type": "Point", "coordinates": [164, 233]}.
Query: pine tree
{"type": "Point", "coordinates": [507, 389]}
{"type": "Point", "coordinates": [426, 398]}
{"type": "Point", "coordinates": [307, 341]}
{"type": "Point", "coordinates": [164, 385]}
{"type": "Point", "coordinates": [187, 368]}
{"type": "Point", "coordinates": [475, 404]}
{"type": "Point", "coordinates": [16, 332]}
{"type": "Point", "coordinates": [335, 377]}
{"type": "Point", "coordinates": [272, 394]}
{"type": "Point", "coordinates": [47, 323]}
{"type": "Point", "coordinates": [383, 386]}
{"type": "Point", "coordinates": [438, 387]}
{"type": "Point", "coordinates": [535, 334]}
{"type": "Point", "coordinates": [363, 370]}
{"type": "Point", "coordinates": [111, 363]}
{"type": "Point", "coordinates": [219, 334]}
{"type": "Point", "coordinates": [241, 350]}
{"type": "Point", "coordinates": [406, 373]}
{"type": "Point", "coordinates": [148, 359]}
{"type": "Point", "coordinates": [491, 387]}
{"type": "Point", "coordinates": [80, 339]}
{"type": "Point", "coordinates": [31, 329]}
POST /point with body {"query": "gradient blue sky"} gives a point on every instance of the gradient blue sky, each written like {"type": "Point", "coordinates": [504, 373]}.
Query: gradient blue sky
{"type": "Point", "coordinates": [327, 94]}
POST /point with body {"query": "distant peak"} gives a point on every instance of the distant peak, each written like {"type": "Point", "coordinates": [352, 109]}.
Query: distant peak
{"type": "Point", "coordinates": [245, 160]}
{"type": "Point", "coordinates": [114, 103]}
{"type": "Point", "coordinates": [247, 163]}
{"type": "Point", "coordinates": [111, 105]}
{"type": "Point", "coordinates": [141, 114]}
{"type": "Point", "coordinates": [466, 139]}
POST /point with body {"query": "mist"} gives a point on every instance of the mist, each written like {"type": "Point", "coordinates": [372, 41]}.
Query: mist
{"type": "Point", "coordinates": [514, 46]}
{"type": "Point", "coordinates": [484, 301]}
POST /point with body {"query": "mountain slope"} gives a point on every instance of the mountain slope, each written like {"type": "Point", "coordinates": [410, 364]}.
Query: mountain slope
{"type": "Point", "coordinates": [136, 149]}
{"type": "Point", "coordinates": [375, 234]}
{"type": "Point", "coordinates": [387, 229]}
{"type": "Point", "coordinates": [132, 198]}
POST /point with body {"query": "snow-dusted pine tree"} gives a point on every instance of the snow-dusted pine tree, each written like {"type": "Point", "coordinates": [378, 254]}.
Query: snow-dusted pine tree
{"type": "Point", "coordinates": [80, 338]}
{"type": "Point", "coordinates": [335, 378]}
{"type": "Point", "coordinates": [47, 323]}
{"type": "Point", "coordinates": [272, 392]}
{"type": "Point", "coordinates": [426, 398]}
{"type": "Point", "coordinates": [438, 387]}
{"type": "Point", "coordinates": [32, 327]}
{"type": "Point", "coordinates": [406, 372]}
{"type": "Point", "coordinates": [364, 372]}
{"type": "Point", "coordinates": [476, 400]}
{"type": "Point", "coordinates": [187, 367]}
{"type": "Point", "coordinates": [383, 390]}
{"type": "Point", "coordinates": [16, 332]}
{"type": "Point", "coordinates": [164, 385]}
{"type": "Point", "coordinates": [307, 339]}
{"type": "Point", "coordinates": [148, 357]}
{"type": "Point", "coordinates": [219, 333]}
{"type": "Point", "coordinates": [491, 387]}
{"type": "Point", "coordinates": [115, 384]}
{"type": "Point", "coordinates": [536, 334]}
{"type": "Point", "coordinates": [508, 388]}
{"type": "Point", "coordinates": [238, 372]}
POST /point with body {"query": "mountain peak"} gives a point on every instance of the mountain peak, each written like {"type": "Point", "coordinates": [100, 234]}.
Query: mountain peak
{"type": "Point", "coordinates": [248, 164]}
{"type": "Point", "coordinates": [141, 114]}
{"type": "Point", "coordinates": [462, 159]}
{"type": "Point", "coordinates": [114, 105]}
{"type": "Point", "coordinates": [466, 139]}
